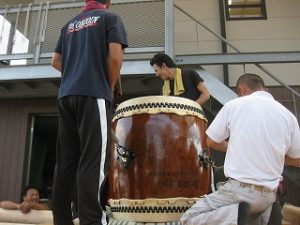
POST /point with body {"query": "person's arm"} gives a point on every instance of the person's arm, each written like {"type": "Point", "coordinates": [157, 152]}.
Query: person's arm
{"type": "Point", "coordinates": [295, 162]}
{"type": "Point", "coordinates": [115, 60]}
{"type": "Point", "coordinates": [26, 207]}
{"type": "Point", "coordinates": [56, 61]}
{"type": "Point", "coordinates": [204, 93]}
{"type": "Point", "coordinates": [38, 206]}
{"type": "Point", "coordinates": [222, 146]}
{"type": "Point", "coordinates": [9, 205]}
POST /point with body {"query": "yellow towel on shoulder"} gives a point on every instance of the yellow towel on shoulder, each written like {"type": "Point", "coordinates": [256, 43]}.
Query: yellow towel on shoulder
{"type": "Point", "coordinates": [178, 84]}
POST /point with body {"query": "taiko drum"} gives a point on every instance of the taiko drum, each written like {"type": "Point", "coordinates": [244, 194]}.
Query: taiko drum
{"type": "Point", "coordinates": [156, 155]}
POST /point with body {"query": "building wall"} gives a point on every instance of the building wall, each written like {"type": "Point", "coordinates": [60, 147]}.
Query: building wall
{"type": "Point", "coordinates": [285, 97]}
{"type": "Point", "coordinates": [192, 38]}
{"type": "Point", "coordinates": [280, 32]}
{"type": "Point", "coordinates": [14, 145]}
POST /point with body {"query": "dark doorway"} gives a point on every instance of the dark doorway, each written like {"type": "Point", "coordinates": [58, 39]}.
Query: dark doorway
{"type": "Point", "coordinates": [42, 152]}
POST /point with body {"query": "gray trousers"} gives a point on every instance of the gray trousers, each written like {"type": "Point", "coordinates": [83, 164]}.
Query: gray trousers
{"type": "Point", "coordinates": [221, 206]}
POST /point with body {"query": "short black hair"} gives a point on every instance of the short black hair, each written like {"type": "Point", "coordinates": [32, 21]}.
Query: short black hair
{"type": "Point", "coordinates": [28, 187]}
{"type": "Point", "coordinates": [160, 58]}
{"type": "Point", "coordinates": [251, 80]}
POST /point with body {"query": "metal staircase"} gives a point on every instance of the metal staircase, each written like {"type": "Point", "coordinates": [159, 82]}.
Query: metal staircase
{"type": "Point", "coordinates": [29, 34]}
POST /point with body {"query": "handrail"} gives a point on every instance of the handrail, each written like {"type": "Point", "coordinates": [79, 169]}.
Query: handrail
{"type": "Point", "coordinates": [61, 5]}
{"type": "Point", "coordinates": [39, 49]}
{"type": "Point", "coordinates": [237, 50]}
{"type": "Point", "coordinates": [39, 35]}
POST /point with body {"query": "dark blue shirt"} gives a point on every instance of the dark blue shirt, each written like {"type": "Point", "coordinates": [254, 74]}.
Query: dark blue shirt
{"type": "Point", "coordinates": [83, 44]}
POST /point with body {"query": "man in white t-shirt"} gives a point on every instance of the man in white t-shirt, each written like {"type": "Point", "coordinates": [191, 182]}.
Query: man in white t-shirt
{"type": "Point", "coordinates": [261, 133]}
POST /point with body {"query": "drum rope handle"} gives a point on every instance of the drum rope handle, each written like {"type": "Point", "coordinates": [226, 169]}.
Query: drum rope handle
{"type": "Point", "coordinates": [125, 155]}
{"type": "Point", "coordinates": [206, 160]}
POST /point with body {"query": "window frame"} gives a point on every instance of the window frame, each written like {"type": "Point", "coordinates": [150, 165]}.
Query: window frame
{"type": "Point", "coordinates": [261, 5]}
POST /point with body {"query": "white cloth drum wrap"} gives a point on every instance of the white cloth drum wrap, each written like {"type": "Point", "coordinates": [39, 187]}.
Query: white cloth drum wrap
{"type": "Point", "coordinates": [159, 104]}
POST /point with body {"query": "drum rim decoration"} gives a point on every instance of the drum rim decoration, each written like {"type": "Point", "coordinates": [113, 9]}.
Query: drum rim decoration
{"type": "Point", "coordinates": [159, 104]}
{"type": "Point", "coordinates": [150, 209]}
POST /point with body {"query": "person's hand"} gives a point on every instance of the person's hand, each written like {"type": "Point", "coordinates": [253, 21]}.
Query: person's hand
{"type": "Point", "coordinates": [25, 207]}
{"type": "Point", "coordinates": [120, 93]}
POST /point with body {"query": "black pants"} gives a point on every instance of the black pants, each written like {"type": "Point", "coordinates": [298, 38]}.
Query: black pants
{"type": "Point", "coordinates": [83, 149]}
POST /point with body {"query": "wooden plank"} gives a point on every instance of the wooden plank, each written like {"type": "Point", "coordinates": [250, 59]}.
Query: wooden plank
{"type": "Point", "coordinates": [33, 217]}
{"type": "Point", "coordinates": [284, 222]}
{"type": "Point", "coordinates": [291, 214]}
{"type": "Point", "coordinates": [16, 223]}
{"type": "Point", "coordinates": [291, 208]}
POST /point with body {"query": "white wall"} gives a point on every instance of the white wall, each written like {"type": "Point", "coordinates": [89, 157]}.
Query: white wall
{"type": "Point", "coordinates": [280, 32]}
{"type": "Point", "coordinates": [191, 38]}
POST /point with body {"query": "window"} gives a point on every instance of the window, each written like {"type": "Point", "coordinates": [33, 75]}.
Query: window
{"type": "Point", "coordinates": [245, 9]}
{"type": "Point", "coordinates": [19, 41]}
{"type": "Point", "coordinates": [4, 37]}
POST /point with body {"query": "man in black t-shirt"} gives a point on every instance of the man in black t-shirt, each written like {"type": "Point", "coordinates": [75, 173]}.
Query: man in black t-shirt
{"type": "Point", "coordinates": [179, 82]}
{"type": "Point", "coordinates": [89, 54]}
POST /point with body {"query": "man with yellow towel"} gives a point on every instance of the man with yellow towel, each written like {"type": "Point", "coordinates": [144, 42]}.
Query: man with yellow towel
{"type": "Point", "coordinates": [184, 83]}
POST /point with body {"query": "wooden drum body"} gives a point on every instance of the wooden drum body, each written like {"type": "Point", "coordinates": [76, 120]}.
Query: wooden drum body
{"type": "Point", "coordinates": [156, 157]}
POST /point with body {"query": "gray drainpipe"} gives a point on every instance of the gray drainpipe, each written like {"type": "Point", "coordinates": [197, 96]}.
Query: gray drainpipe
{"type": "Point", "coordinates": [224, 45]}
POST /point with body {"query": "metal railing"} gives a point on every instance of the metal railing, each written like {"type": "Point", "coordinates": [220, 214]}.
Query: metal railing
{"type": "Point", "coordinates": [30, 32]}
{"type": "Point", "coordinates": [38, 26]}
{"type": "Point", "coordinates": [293, 92]}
